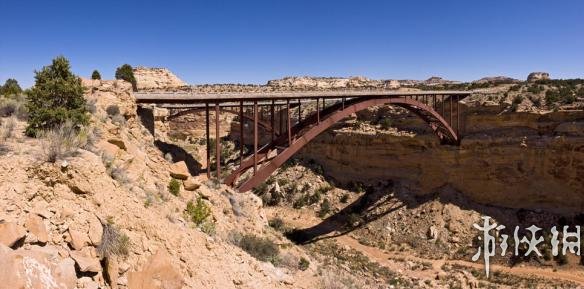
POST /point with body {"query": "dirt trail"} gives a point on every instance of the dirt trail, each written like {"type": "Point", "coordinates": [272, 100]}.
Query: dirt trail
{"type": "Point", "coordinates": [390, 260]}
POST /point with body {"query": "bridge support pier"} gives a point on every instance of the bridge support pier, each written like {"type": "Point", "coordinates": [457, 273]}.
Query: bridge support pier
{"type": "Point", "coordinates": [217, 143]}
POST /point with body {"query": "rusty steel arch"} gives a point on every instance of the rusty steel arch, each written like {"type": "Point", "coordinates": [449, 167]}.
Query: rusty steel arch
{"type": "Point", "coordinates": [270, 157]}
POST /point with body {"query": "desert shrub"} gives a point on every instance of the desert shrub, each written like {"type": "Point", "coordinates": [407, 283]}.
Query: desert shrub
{"type": "Point", "coordinates": [353, 219]}
{"type": "Point", "coordinates": [535, 89]}
{"type": "Point", "coordinates": [344, 198]}
{"type": "Point", "coordinates": [260, 248]}
{"type": "Point", "coordinates": [7, 107]}
{"type": "Point", "coordinates": [208, 227]}
{"type": "Point", "coordinates": [197, 212]}
{"type": "Point", "coordinates": [125, 72]}
{"type": "Point", "coordinates": [358, 125]}
{"type": "Point", "coordinates": [303, 264]}
{"type": "Point", "coordinates": [551, 97]}
{"type": "Point", "coordinates": [113, 242]}
{"type": "Point", "coordinates": [10, 87]}
{"type": "Point", "coordinates": [90, 106]}
{"type": "Point", "coordinates": [112, 110]}
{"type": "Point", "coordinates": [174, 186]}
{"type": "Point", "coordinates": [7, 128]}
{"type": "Point", "coordinates": [63, 141]}
{"type": "Point", "coordinates": [536, 101]}
{"type": "Point", "coordinates": [119, 173]}
{"type": "Point", "coordinates": [325, 208]}
{"type": "Point", "coordinates": [385, 123]}
{"type": "Point", "coordinates": [13, 106]}
{"type": "Point", "coordinates": [96, 75]}
{"type": "Point", "coordinates": [517, 100]}
{"type": "Point", "coordinates": [277, 224]}
{"type": "Point", "coordinates": [56, 98]}
{"type": "Point", "coordinates": [515, 87]}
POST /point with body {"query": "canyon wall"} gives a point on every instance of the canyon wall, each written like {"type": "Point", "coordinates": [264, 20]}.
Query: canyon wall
{"type": "Point", "coordinates": [517, 160]}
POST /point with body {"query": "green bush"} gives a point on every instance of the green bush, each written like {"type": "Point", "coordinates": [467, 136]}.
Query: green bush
{"type": "Point", "coordinates": [10, 87]}
{"type": "Point", "coordinates": [344, 198]}
{"type": "Point", "coordinates": [303, 264]}
{"type": "Point", "coordinates": [125, 72]}
{"type": "Point", "coordinates": [277, 224]}
{"type": "Point", "coordinates": [325, 208]}
{"type": "Point", "coordinates": [56, 97]}
{"type": "Point", "coordinates": [260, 248]}
{"type": "Point", "coordinates": [95, 75]}
{"type": "Point", "coordinates": [385, 123]}
{"type": "Point", "coordinates": [198, 212]}
{"type": "Point", "coordinates": [174, 186]}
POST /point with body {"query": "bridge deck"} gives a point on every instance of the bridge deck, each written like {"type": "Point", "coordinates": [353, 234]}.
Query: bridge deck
{"type": "Point", "coordinates": [189, 98]}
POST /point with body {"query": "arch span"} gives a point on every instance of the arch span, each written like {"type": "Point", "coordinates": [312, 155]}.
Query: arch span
{"type": "Point", "coordinates": [273, 155]}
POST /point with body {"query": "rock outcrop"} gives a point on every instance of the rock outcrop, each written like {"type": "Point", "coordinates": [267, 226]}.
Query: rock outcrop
{"type": "Point", "coordinates": [537, 157]}
{"type": "Point", "coordinates": [535, 76]}
{"type": "Point", "coordinates": [156, 78]}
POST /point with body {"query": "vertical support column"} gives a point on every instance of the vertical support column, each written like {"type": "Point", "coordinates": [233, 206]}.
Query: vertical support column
{"type": "Point", "coordinates": [434, 102]}
{"type": "Point", "coordinates": [241, 127]}
{"type": "Point", "coordinates": [458, 116]}
{"type": "Point", "coordinates": [281, 116]}
{"type": "Point", "coordinates": [443, 106]}
{"type": "Point", "coordinates": [288, 122]}
{"type": "Point", "coordinates": [217, 142]}
{"type": "Point", "coordinates": [208, 141]}
{"type": "Point", "coordinates": [272, 120]}
{"type": "Point", "coordinates": [343, 100]}
{"type": "Point", "coordinates": [255, 137]}
{"type": "Point", "coordinates": [299, 112]}
{"type": "Point", "coordinates": [451, 111]}
{"type": "Point", "coordinates": [317, 110]}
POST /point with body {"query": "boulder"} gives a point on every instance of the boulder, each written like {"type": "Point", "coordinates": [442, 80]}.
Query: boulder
{"type": "Point", "coordinates": [10, 233]}
{"type": "Point", "coordinates": [77, 239]}
{"type": "Point", "coordinates": [85, 262]}
{"type": "Point", "coordinates": [95, 231]}
{"type": "Point", "coordinates": [35, 225]}
{"type": "Point", "coordinates": [38, 267]}
{"type": "Point", "coordinates": [535, 76]}
{"type": "Point", "coordinates": [158, 273]}
{"type": "Point", "coordinates": [179, 170]}
{"type": "Point", "coordinates": [191, 184]}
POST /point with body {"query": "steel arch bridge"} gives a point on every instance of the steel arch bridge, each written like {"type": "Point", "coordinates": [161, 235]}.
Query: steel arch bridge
{"type": "Point", "coordinates": [441, 110]}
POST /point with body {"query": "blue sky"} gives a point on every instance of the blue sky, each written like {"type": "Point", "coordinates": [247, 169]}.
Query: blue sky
{"type": "Point", "coordinates": [254, 41]}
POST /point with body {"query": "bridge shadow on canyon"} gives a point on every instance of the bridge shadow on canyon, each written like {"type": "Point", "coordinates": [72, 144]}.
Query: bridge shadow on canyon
{"type": "Point", "coordinates": [386, 197]}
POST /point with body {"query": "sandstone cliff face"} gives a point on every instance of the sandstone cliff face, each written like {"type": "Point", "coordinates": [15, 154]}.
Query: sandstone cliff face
{"type": "Point", "coordinates": [514, 160]}
{"type": "Point", "coordinates": [156, 78]}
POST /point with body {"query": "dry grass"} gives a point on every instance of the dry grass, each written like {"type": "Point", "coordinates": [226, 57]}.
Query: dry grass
{"type": "Point", "coordinates": [64, 141]}
{"type": "Point", "coordinates": [113, 242]}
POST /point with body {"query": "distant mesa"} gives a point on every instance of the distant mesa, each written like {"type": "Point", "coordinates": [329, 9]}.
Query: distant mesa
{"type": "Point", "coordinates": [497, 80]}
{"type": "Point", "coordinates": [156, 78]}
{"type": "Point", "coordinates": [535, 76]}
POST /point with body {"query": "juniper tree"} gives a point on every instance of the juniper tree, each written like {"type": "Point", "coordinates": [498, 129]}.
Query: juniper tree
{"type": "Point", "coordinates": [96, 75]}
{"type": "Point", "coordinates": [56, 97]}
{"type": "Point", "coordinates": [126, 73]}
{"type": "Point", "coordinates": [10, 87]}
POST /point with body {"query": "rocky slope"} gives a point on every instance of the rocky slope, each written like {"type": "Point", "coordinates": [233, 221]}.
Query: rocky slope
{"type": "Point", "coordinates": [57, 218]}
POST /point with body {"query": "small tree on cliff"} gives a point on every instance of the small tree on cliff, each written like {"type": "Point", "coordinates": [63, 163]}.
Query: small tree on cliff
{"type": "Point", "coordinates": [126, 73]}
{"type": "Point", "coordinates": [56, 98]}
{"type": "Point", "coordinates": [10, 87]}
{"type": "Point", "coordinates": [96, 75]}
